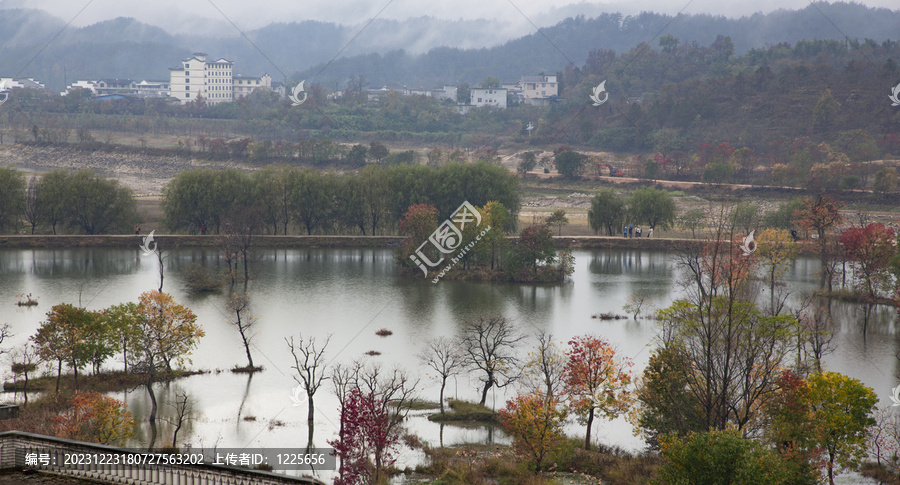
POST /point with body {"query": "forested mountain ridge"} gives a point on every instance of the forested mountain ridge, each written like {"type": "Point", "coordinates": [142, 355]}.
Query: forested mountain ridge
{"type": "Point", "coordinates": [126, 48]}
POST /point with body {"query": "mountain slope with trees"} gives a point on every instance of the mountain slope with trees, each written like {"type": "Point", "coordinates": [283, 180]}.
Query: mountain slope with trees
{"type": "Point", "coordinates": [385, 52]}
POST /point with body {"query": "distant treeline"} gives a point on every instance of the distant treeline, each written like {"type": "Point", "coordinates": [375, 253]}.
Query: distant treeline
{"type": "Point", "coordinates": [64, 201]}
{"type": "Point", "coordinates": [285, 199]}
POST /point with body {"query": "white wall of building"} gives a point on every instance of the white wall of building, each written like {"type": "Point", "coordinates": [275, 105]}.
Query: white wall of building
{"type": "Point", "coordinates": [197, 77]}
{"type": "Point", "coordinates": [539, 87]}
{"type": "Point", "coordinates": [488, 97]}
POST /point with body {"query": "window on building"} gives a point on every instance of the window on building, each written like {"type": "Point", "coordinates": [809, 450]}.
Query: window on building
{"type": "Point", "coordinates": [187, 95]}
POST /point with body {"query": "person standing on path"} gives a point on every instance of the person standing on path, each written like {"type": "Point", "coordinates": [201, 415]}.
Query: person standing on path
{"type": "Point", "coordinates": [650, 232]}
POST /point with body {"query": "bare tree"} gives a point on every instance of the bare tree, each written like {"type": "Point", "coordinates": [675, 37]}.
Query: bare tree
{"type": "Point", "coordinates": [242, 224]}
{"type": "Point", "coordinates": [159, 259]}
{"type": "Point", "coordinates": [24, 361]}
{"type": "Point", "coordinates": [183, 407]}
{"type": "Point", "coordinates": [445, 357]}
{"type": "Point", "coordinates": [814, 337]}
{"type": "Point", "coordinates": [33, 210]}
{"type": "Point", "coordinates": [489, 344]}
{"type": "Point", "coordinates": [545, 367]}
{"type": "Point", "coordinates": [244, 323]}
{"type": "Point", "coordinates": [309, 362]}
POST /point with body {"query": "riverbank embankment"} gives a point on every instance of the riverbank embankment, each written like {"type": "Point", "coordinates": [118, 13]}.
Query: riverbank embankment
{"type": "Point", "coordinates": [172, 241]}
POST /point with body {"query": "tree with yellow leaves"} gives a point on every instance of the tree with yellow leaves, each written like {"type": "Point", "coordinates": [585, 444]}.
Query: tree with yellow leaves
{"type": "Point", "coordinates": [164, 333]}
{"type": "Point", "coordinates": [96, 418]}
{"type": "Point", "coordinates": [535, 422]}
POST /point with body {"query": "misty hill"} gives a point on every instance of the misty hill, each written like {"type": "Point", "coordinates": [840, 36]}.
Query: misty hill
{"type": "Point", "coordinates": [572, 39]}
{"type": "Point", "coordinates": [434, 51]}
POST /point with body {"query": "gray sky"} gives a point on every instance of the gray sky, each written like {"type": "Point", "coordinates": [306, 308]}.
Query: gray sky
{"type": "Point", "coordinates": [200, 16]}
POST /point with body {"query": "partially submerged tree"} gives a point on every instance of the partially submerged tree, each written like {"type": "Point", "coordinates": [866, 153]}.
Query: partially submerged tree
{"type": "Point", "coordinates": [165, 332]}
{"type": "Point", "coordinates": [25, 360]}
{"type": "Point", "coordinates": [445, 357]}
{"type": "Point", "coordinates": [372, 411]}
{"type": "Point", "coordinates": [489, 344]}
{"type": "Point", "coordinates": [821, 215]}
{"type": "Point", "coordinates": [871, 249]}
{"type": "Point", "coordinates": [309, 362]}
{"type": "Point", "coordinates": [244, 322]}
{"type": "Point", "coordinates": [66, 338]}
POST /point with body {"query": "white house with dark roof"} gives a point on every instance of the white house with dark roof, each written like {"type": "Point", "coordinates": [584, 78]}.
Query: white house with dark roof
{"type": "Point", "coordinates": [7, 83]}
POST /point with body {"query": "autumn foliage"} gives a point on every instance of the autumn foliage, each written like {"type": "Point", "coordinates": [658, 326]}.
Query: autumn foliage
{"type": "Point", "coordinates": [366, 436]}
{"type": "Point", "coordinates": [596, 380]}
{"type": "Point", "coordinates": [535, 422]}
{"type": "Point", "coordinates": [95, 418]}
{"type": "Point", "coordinates": [871, 249]}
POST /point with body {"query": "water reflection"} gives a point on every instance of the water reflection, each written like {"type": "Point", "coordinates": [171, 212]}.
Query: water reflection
{"type": "Point", "coordinates": [351, 293]}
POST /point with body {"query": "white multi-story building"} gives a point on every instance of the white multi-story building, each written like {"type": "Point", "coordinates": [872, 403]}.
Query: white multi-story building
{"type": "Point", "coordinates": [488, 97]}
{"type": "Point", "coordinates": [538, 89]}
{"type": "Point", "coordinates": [246, 85]}
{"type": "Point", "coordinates": [196, 77]}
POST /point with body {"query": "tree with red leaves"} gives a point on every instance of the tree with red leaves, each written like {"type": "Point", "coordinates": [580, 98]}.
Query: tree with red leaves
{"type": "Point", "coordinates": [596, 380]}
{"type": "Point", "coordinates": [95, 418]}
{"type": "Point", "coordinates": [871, 248]}
{"type": "Point", "coordinates": [820, 215]}
{"type": "Point", "coordinates": [365, 433]}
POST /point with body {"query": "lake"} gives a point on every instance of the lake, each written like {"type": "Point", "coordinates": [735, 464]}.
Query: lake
{"type": "Point", "coordinates": [350, 294]}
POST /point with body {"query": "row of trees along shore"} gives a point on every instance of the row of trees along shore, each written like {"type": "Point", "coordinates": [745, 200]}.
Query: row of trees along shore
{"type": "Point", "coordinates": [371, 201]}
{"type": "Point", "coordinates": [274, 200]}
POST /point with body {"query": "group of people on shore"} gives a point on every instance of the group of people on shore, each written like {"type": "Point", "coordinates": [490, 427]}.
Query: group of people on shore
{"type": "Point", "coordinates": [632, 231]}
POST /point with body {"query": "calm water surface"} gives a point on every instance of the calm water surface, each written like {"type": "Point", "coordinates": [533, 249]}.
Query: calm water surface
{"type": "Point", "coordinates": [350, 294]}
